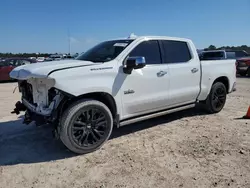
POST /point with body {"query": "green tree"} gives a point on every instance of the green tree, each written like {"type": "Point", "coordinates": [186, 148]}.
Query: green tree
{"type": "Point", "coordinates": [211, 47]}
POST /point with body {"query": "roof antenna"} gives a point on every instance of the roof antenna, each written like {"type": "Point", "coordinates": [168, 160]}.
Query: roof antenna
{"type": "Point", "coordinates": [132, 35]}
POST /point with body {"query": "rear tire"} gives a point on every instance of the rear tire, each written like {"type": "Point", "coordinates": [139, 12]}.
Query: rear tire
{"type": "Point", "coordinates": [242, 74]}
{"type": "Point", "coordinates": [85, 126]}
{"type": "Point", "coordinates": [217, 98]}
{"type": "Point", "coordinates": [248, 72]}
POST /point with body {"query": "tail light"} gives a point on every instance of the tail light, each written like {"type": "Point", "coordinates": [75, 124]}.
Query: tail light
{"type": "Point", "coordinates": [243, 62]}
{"type": "Point", "coordinates": [247, 62]}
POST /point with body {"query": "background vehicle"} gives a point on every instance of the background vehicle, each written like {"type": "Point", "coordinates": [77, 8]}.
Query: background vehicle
{"type": "Point", "coordinates": [242, 59]}
{"type": "Point", "coordinates": [243, 66]}
{"type": "Point", "coordinates": [56, 57]}
{"type": "Point", "coordinates": [7, 65]}
{"type": "Point", "coordinates": [222, 54]}
{"type": "Point", "coordinates": [119, 82]}
{"type": "Point", "coordinates": [40, 59]}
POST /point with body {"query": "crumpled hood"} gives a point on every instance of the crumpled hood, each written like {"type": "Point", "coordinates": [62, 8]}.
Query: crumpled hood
{"type": "Point", "coordinates": [42, 70]}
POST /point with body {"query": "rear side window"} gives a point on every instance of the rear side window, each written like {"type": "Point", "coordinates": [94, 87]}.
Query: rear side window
{"type": "Point", "coordinates": [148, 49]}
{"type": "Point", "coordinates": [231, 55]}
{"type": "Point", "coordinates": [212, 55]}
{"type": "Point", "coordinates": [175, 51]}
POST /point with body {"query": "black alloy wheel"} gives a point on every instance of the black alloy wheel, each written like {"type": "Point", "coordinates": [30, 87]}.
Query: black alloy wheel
{"type": "Point", "coordinates": [85, 126]}
{"type": "Point", "coordinates": [89, 127]}
{"type": "Point", "coordinates": [217, 98]}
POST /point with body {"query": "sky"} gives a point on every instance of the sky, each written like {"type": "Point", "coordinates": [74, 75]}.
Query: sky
{"type": "Point", "coordinates": [44, 25]}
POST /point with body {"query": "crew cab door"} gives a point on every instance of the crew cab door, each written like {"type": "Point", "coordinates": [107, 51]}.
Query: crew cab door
{"type": "Point", "coordinates": [184, 71]}
{"type": "Point", "coordinates": [145, 89]}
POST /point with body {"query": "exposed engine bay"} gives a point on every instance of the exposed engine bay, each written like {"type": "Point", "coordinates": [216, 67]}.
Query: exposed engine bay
{"type": "Point", "coordinates": [39, 99]}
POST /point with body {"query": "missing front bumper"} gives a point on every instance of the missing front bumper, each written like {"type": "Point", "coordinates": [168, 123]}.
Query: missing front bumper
{"type": "Point", "coordinates": [33, 108]}
{"type": "Point", "coordinates": [18, 108]}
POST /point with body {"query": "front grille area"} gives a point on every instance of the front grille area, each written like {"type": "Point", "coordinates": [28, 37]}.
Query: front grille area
{"type": "Point", "coordinates": [51, 94]}
{"type": "Point", "coordinates": [26, 90]}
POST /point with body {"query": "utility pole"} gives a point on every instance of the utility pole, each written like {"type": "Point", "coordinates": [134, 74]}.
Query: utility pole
{"type": "Point", "coordinates": [69, 40]}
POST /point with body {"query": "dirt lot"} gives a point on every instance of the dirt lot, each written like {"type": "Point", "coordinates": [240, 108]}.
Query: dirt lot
{"type": "Point", "coordinates": [186, 149]}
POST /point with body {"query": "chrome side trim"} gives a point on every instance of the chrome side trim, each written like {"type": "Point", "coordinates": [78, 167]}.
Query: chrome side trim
{"type": "Point", "coordinates": [134, 120]}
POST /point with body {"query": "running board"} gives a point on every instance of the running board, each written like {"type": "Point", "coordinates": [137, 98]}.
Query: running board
{"type": "Point", "coordinates": [153, 115]}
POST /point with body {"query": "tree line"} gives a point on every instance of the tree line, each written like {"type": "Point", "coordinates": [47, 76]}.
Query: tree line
{"type": "Point", "coordinates": [243, 47]}
{"type": "Point", "coordinates": [211, 47]}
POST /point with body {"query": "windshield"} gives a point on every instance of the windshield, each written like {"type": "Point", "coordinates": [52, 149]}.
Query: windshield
{"type": "Point", "coordinates": [240, 54]}
{"type": "Point", "coordinates": [105, 51]}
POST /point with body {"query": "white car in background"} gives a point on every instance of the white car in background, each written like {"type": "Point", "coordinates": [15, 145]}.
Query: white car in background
{"type": "Point", "coordinates": [40, 59]}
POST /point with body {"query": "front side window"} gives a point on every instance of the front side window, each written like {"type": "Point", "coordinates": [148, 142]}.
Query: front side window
{"type": "Point", "coordinates": [175, 51]}
{"type": "Point", "coordinates": [148, 49]}
{"type": "Point", "coordinates": [105, 51]}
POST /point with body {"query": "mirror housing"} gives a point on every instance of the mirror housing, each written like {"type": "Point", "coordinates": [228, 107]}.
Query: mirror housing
{"type": "Point", "coordinates": [131, 63]}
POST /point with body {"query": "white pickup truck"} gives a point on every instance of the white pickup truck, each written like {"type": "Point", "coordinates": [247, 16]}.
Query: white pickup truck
{"type": "Point", "coordinates": [119, 82]}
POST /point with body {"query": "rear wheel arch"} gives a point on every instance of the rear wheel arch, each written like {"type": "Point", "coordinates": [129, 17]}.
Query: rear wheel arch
{"type": "Point", "coordinates": [224, 80]}
{"type": "Point", "coordinates": [217, 98]}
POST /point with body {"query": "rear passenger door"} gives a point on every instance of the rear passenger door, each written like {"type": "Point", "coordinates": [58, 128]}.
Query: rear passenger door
{"type": "Point", "coordinates": [184, 72]}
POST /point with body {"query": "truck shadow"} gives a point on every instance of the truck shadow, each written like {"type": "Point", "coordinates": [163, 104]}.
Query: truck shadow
{"type": "Point", "coordinates": [25, 144]}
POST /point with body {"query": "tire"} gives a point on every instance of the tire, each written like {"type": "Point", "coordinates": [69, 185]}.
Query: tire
{"type": "Point", "coordinates": [242, 74]}
{"type": "Point", "coordinates": [248, 72]}
{"type": "Point", "coordinates": [217, 98]}
{"type": "Point", "coordinates": [85, 126]}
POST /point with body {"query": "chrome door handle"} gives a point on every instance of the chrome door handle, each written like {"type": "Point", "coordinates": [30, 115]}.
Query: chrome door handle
{"type": "Point", "coordinates": [161, 73]}
{"type": "Point", "coordinates": [194, 70]}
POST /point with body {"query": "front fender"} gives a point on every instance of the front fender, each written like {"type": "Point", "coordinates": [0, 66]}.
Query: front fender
{"type": "Point", "coordinates": [80, 81]}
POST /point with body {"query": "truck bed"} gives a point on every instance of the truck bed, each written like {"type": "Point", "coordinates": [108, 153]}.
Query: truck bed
{"type": "Point", "coordinates": [213, 69]}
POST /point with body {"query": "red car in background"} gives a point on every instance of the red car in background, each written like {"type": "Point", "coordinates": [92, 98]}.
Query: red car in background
{"type": "Point", "coordinates": [7, 65]}
{"type": "Point", "coordinates": [243, 66]}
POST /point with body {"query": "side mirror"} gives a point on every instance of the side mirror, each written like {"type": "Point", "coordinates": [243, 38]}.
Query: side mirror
{"type": "Point", "coordinates": [133, 63]}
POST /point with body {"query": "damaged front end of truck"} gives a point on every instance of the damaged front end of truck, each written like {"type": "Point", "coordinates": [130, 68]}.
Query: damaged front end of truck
{"type": "Point", "coordinates": [39, 100]}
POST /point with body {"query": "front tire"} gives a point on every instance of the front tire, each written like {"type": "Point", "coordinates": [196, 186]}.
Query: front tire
{"type": "Point", "coordinates": [85, 126]}
{"type": "Point", "coordinates": [217, 98]}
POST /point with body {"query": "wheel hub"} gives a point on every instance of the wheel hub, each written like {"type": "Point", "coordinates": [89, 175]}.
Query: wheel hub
{"type": "Point", "coordinates": [89, 128]}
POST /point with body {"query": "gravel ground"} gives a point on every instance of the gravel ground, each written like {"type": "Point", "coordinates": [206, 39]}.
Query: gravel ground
{"type": "Point", "coordinates": [185, 149]}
